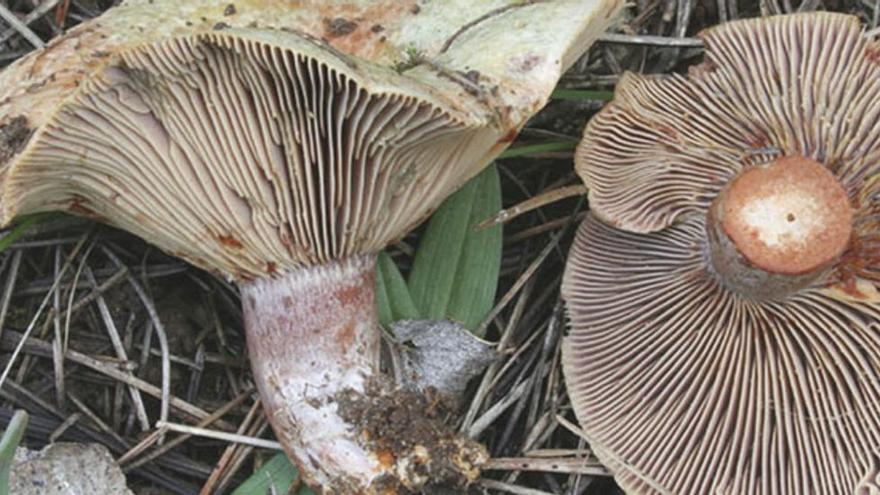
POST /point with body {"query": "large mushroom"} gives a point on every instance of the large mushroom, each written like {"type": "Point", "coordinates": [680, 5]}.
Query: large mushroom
{"type": "Point", "coordinates": [282, 144]}
{"type": "Point", "coordinates": [725, 318]}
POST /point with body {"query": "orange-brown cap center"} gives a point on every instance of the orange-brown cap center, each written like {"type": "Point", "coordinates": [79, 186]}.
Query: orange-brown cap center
{"type": "Point", "coordinates": [790, 217]}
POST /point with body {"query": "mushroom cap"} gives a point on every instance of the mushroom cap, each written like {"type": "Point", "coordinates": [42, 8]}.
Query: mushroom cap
{"type": "Point", "coordinates": [681, 384]}
{"type": "Point", "coordinates": [273, 135]}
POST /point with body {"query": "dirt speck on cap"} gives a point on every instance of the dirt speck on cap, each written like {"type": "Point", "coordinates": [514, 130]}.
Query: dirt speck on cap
{"type": "Point", "coordinates": [14, 135]}
{"type": "Point", "coordinates": [339, 26]}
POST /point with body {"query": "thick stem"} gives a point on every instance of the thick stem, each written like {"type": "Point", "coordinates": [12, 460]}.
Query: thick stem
{"type": "Point", "coordinates": [741, 276]}
{"type": "Point", "coordinates": [314, 343]}
{"type": "Point", "coordinates": [778, 227]}
{"type": "Point", "coordinates": [311, 335]}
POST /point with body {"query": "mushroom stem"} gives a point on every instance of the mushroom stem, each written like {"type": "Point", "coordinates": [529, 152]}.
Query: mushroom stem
{"type": "Point", "coordinates": [313, 335]}
{"type": "Point", "coordinates": [314, 343]}
{"type": "Point", "coordinates": [778, 227]}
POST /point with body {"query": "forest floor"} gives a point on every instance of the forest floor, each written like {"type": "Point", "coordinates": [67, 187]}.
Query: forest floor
{"type": "Point", "coordinates": [91, 285]}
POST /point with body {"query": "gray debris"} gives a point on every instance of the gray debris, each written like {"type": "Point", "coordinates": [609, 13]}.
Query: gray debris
{"type": "Point", "coordinates": [439, 354]}
{"type": "Point", "coordinates": [67, 469]}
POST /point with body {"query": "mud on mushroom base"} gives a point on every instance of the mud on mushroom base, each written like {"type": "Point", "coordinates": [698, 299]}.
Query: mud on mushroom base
{"type": "Point", "coordinates": [408, 430]}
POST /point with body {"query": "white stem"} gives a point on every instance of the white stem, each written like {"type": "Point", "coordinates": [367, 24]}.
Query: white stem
{"type": "Point", "coordinates": [313, 334]}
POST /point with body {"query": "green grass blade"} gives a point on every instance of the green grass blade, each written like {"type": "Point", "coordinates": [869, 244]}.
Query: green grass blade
{"type": "Point", "coordinates": [455, 270]}
{"type": "Point", "coordinates": [398, 303]}
{"type": "Point", "coordinates": [22, 226]}
{"type": "Point", "coordinates": [383, 303]}
{"type": "Point", "coordinates": [432, 277]}
{"type": "Point", "coordinates": [476, 279]}
{"type": "Point", "coordinates": [8, 443]}
{"type": "Point", "coordinates": [532, 149]}
{"type": "Point", "coordinates": [278, 474]}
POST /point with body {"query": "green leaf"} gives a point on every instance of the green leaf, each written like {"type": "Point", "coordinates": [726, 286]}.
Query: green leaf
{"type": "Point", "coordinates": [383, 304]}
{"type": "Point", "coordinates": [480, 263]}
{"type": "Point", "coordinates": [11, 438]}
{"type": "Point", "coordinates": [277, 474]}
{"type": "Point", "coordinates": [455, 271]}
{"type": "Point", "coordinates": [538, 148]}
{"type": "Point", "coordinates": [581, 95]}
{"type": "Point", "coordinates": [22, 226]}
{"type": "Point", "coordinates": [392, 295]}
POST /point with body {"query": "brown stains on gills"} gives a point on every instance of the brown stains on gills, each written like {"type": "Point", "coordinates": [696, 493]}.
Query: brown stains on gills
{"type": "Point", "coordinates": [229, 241]}
{"type": "Point", "coordinates": [77, 206]}
{"type": "Point", "coordinates": [509, 137]}
{"type": "Point", "coordinates": [271, 267]}
{"type": "Point", "coordinates": [872, 53]}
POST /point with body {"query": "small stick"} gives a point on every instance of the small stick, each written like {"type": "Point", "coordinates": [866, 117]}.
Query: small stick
{"type": "Point", "coordinates": [119, 348]}
{"type": "Point", "coordinates": [220, 435]}
{"type": "Point", "coordinates": [31, 17]}
{"type": "Point", "coordinates": [496, 410]}
{"type": "Point", "coordinates": [568, 425]}
{"type": "Point", "coordinates": [57, 347]}
{"type": "Point", "coordinates": [228, 456]}
{"type": "Point", "coordinates": [527, 274]}
{"type": "Point", "coordinates": [19, 26]}
{"type": "Point", "coordinates": [73, 418]}
{"type": "Point", "coordinates": [508, 488]}
{"type": "Point", "coordinates": [562, 465]}
{"type": "Point", "coordinates": [41, 347]}
{"type": "Point", "coordinates": [242, 452]}
{"type": "Point", "coordinates": [160, 332]}
{"type": "Point", "coordinates": [39, 312]}
{"type": "Point", "coordinates": [542, 228]}
{"type": "Point", "coordinates": [532, 203]}
{"type": "Point", "coordinates": [651, 40]}
{"type": "Point", "coordinates": [10, 288]}
{"type": "Point", "coordinates": [219, 413]}
{"type": "Point", "coordinates": [95, 418]}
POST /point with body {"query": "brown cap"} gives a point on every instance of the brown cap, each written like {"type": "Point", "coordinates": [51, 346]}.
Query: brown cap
{"type": "Point", "coordinates": [264, 138]}
{"type": "Point", "coordinates": [681, 383]}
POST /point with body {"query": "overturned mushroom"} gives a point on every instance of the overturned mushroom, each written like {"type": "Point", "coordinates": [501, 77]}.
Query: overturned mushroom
{"type": "Point", "coordinates": [723, 294]}
{"type": "Point", "coordinates": [282, 146]}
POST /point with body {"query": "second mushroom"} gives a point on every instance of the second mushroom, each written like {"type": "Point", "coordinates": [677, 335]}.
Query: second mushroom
{"type": "Point", "coordinates": [723, 295]}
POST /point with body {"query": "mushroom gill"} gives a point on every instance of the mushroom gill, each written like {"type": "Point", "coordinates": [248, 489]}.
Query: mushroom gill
{"type": "Point", "coordinates": [725, 319]}
{"type": "Point", "coordinates": [268, 158]}
{"type": "Point", "coordinates": [282, 146]}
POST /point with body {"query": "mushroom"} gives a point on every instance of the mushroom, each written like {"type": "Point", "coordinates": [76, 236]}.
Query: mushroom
{"type": "Point", "coordinates": [282, 146]}
{"type": "Point", "coordinates": [722, 295]}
